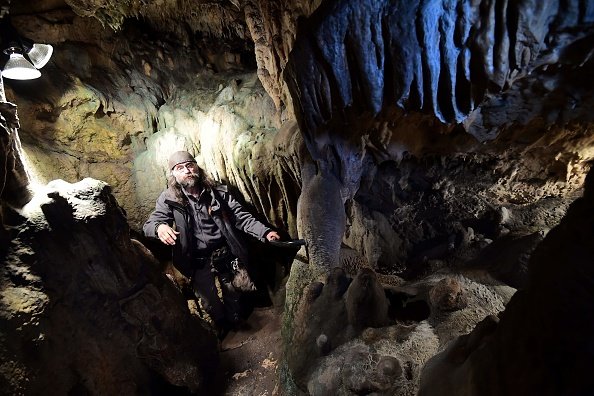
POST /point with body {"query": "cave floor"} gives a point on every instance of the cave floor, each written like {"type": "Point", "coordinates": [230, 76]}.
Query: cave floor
{"type": "Point", "coordinates": [250, 356]}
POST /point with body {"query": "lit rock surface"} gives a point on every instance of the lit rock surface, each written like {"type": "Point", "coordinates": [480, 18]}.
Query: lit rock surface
{"type": "Point", "coordinates": [357, 335]}
{"type": "Point", "coordinates": [121, 111]}
{"type": "Point", "coordinates": [77, 295]}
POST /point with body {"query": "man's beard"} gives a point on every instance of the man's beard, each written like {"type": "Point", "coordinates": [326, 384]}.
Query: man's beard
{"type": "Point", "coordinates": [189, 181]}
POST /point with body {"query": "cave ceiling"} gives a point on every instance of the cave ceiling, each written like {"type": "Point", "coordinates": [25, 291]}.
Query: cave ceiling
{"type": "Point", "coordinates": [445, 59]}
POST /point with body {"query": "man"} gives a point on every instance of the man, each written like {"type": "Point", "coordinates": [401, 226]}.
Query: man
{"type": "Point", "coordinates": [204, 224]}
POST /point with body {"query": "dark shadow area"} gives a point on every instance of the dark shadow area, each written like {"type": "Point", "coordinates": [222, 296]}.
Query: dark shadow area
{"type": "Point", "coordinates": [406, 308]}
{"type": "Point", "coordinates": [161, 251]}
{"type": "Point", "coordinates": [159, 386]}
{"type": "Point", "coordinates": [506, 259]}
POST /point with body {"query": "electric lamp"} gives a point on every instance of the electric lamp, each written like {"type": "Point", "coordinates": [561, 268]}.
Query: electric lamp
{"type": "Point", "coordinates": [25, 57]}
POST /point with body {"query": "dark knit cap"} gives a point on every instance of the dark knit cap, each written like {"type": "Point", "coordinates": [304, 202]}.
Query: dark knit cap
{"type": "Point", "coordinates": [179, 157]}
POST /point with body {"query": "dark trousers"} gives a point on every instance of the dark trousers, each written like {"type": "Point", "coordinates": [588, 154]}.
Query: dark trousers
{"type": "Point", "coordinates": [204, 286]}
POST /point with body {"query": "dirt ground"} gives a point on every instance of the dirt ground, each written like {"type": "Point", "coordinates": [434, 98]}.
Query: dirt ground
{"type": "Point", "coordinates": [250, 356]}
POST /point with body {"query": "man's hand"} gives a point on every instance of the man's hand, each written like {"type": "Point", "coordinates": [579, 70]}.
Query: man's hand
{"type": "Point", "coordinates": [272, 236]}
{"type": "Point", "coordinates": [166, 234]}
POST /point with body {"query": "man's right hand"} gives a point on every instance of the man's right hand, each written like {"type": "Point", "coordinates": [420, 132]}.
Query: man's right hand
{"type": "Point", "coordinates": [166, 234]}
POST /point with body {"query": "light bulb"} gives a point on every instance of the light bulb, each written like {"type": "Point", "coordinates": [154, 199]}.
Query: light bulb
{"type": "Point", "coordinates": [18, 68]}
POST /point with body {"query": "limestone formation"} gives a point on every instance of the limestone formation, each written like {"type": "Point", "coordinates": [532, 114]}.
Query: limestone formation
{"type": "Point", "coordinates": [14, 178]}
{"type": "Point", "coordinates": [429, 146]}
{"type": "Point", "coordinates": [366, 302]}
{"type": "Point", "coordinates": [321, 318]}
{"type": "Point", "coordinates": [439, 56]}
{"type": "Point", "coordinates": [447, 295]}
{"type": "Point", "coordinates": [80, 297]}
{"type": "Point", "coordinates": [541, 343]}
{"type": "Point", "coordinates": [379, 341]}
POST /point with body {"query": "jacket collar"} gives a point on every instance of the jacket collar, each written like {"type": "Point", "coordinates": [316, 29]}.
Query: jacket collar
{"type": "Point", "coordinates": [175, 204]}
{"type": "Point", "coordinates": [215, 205]}
{"type": "Point", "coordinates": [213, 196]}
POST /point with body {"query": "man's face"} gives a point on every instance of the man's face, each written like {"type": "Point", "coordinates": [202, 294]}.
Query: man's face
{"type": "Point", "coordinates": [186, 174]}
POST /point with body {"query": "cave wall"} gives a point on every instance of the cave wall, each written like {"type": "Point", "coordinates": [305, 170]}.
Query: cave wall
{"type": "Point", "coordinates": [124, 107]}
{"type": "Point", "coordinates": [371, 66]}
{"type": "Point", "coordinates": [429, 195]}
{"type": "Point", "coordinates": [541, 343]}
{"type": "Point", "coordinates": [408, 156]}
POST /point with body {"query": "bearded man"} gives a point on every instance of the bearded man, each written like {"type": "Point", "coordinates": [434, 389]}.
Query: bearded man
{"type": "Point", "coordinates": [205, 226]}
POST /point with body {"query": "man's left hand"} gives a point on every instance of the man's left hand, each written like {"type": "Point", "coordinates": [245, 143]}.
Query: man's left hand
{"type": "Point", "coordinates": [272, 236]}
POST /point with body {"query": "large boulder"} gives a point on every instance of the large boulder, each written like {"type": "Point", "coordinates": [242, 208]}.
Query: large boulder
{"type": "Point", "coordinates": [542, 344]}
{"type": "Point", "coordinates": [76, 293]}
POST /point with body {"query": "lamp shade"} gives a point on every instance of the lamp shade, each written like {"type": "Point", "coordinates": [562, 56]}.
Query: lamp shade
{"type": "Point", "coordinates": [18, 68]}
{"type": "Point", "coordinates": [40, 54]}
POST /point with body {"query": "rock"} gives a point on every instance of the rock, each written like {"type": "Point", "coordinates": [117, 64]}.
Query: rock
{"type": "Point", "coordinates": [351, 358]}
{"type": "Point", "coordinates": [542, 343]}
{"type": "Point", "coordinates": [320, 322]}
{"type": "Point", "coordinates": [13, 175]}
{"type": "Point", "coordinates": [448, 295]}
{"type": "Point", "coordinates": [79, 294]}
{"type": "Point", "coordinates": [385, 366]}
{"type": "Point", "coordinates": [366, 302]}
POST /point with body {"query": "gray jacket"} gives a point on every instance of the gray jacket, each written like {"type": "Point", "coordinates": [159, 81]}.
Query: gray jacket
{"type": "Point", "coordinates": [227, 213]}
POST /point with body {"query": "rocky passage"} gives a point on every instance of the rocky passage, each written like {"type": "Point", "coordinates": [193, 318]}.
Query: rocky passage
{"type": "Point", "coordinates": [433, 155]}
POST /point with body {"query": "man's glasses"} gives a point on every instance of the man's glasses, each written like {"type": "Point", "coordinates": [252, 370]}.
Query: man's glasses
{"type": "Point", "coordinates": [186, 165]}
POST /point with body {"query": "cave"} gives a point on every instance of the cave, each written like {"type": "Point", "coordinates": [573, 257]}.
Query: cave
{"type": "Point", "coordinates": [426, 163]}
